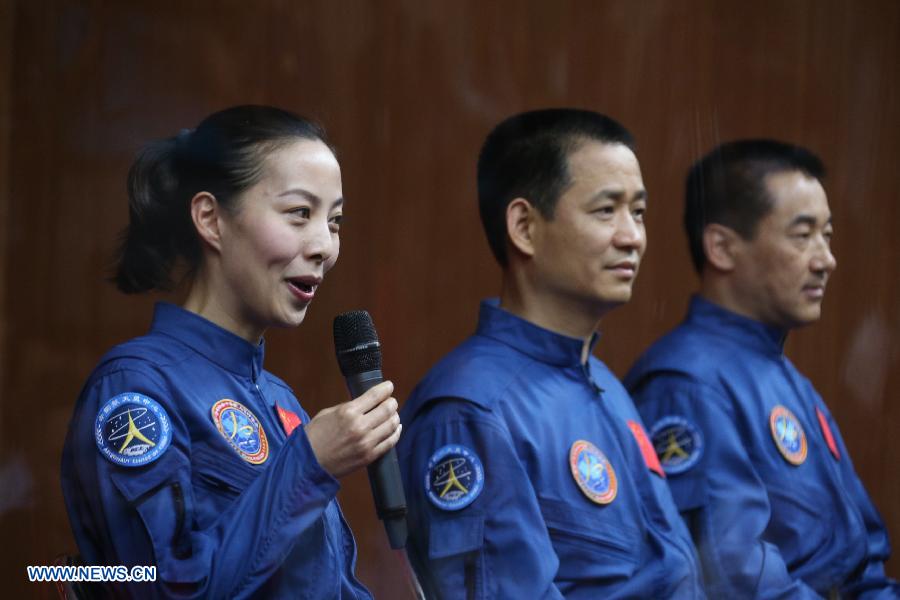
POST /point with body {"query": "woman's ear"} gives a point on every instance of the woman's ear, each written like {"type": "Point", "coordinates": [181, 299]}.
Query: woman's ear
{"type": "Point", "coordinates": [520, 217]}
{"type": "Point", "coordinates": [205, 212]}
{"type": "Point", "coordinates": [721, 245]}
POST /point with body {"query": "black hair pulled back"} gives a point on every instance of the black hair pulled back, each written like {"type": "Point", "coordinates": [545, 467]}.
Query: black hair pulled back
{"type": "Point", "coordinates": [224, 156]}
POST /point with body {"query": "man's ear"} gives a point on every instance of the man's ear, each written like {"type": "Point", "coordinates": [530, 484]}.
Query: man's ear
{"type": "Point", "coordinates": [721, 245]}
{"type": "Point", "coordinates": [205, 212]}
{"type": "Point", "coordinates": [520, 221]}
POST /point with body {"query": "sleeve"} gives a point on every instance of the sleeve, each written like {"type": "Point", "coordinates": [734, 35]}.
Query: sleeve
{"type": "Point", "coordinates": [869, 582]}
{"type": "Point", "coordinates": [476, 530]}
{"type": "Point", "coordinates": [147, 514]}
{"type": "Point", "coordinates": [720, 496]}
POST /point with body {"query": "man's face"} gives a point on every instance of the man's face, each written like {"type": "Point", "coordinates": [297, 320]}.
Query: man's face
{"type": "Point", "coordinates": [587, 256]}
{"type": "Point", "coordinates": [782, 272]}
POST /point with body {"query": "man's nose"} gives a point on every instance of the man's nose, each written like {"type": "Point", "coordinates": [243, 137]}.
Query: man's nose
{"type": "Point", "coordinates": [823, 259]}
{"type": "Point", "coordinates": [629, 233]}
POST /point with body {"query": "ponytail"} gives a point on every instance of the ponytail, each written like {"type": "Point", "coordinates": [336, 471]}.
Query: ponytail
{"type": "Point", "coordinates": [156, 234]}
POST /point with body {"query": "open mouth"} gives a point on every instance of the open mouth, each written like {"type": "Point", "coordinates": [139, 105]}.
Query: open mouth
{"type": "Point", "coordinates": [303, 288]}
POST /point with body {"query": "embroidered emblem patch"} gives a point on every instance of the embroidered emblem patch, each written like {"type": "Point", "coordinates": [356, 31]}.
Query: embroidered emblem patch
{"type": "Point", "coordinates": [788, 435]}
{"type": "Point", "coordinates": [826, 431]}
{"type": "Point", "coordinates": [593, 472]}
{"type": "Point", "coordinates": [132, 430]}
{"type": "Point", "coordinates": [454, 477]}
{"type": "Point", "coordinates": [647, 450]}
{"type": "Point", "coordinates": [242, 430]}
{"type": "Point", "coordinates": [678, 444]}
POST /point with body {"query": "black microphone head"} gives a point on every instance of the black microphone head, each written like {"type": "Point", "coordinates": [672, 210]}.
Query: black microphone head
{"type": "Point", "coordinates": [356, 343]}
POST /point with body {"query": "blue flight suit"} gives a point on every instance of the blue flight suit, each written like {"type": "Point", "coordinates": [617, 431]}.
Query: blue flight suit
{"type": "Point", "coordinates": [756, 464]}
{"type": "Point", "coordinates": [525, 479]}
{"type": "Point", "coordinates": [207, 485]}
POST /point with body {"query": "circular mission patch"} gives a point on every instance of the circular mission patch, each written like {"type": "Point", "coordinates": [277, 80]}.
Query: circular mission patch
{"type": "Point", "coordinates": [677, 442]}
{"type": "Point", "coordinates": [240, 428]}
{"type": "Point", "coordinates": [132, 429]}
{"type": "Point", "coordinates": [454, 477]}
{"type": "Point", "coordinates": [593, 472]}
{"type": "Point", "coordinates": [788, 434]}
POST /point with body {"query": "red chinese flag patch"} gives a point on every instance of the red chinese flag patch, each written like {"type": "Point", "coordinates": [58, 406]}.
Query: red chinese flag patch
{"type": "Point", "coordinates": [646, 447]}
{"type": "Point", "coordinates": [826, 431]}
{"type": "Point", "coordinates": [289, 420]}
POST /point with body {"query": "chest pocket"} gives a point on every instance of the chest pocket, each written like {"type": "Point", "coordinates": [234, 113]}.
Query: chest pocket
{"type": "Point", "coordinates": [797, 525]}
{"type": "Point", "coordinates": [218, 477]}
{"type": "Point", "coordinates": [591, 543]}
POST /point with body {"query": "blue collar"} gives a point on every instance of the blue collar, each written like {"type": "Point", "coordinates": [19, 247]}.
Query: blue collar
{"type": "Point", "coordinates": [532, 340]}
{"type": "Point", "coordinates": [750, 332]}
{"type": "Point", "coordinates": [229, 351]}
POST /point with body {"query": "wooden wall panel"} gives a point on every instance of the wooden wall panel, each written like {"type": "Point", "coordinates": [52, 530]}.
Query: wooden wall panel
{"type": "Point", "coordinates": [407, 91]}
{"type": "Point", "coordinates": [6, 47]}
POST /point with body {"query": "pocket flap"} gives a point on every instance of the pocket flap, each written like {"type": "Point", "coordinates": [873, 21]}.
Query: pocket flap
{"type": "Point", "coordinates": [133, 482]}
{"type": "Point", "coordinates": [227, 471]}
{"type": "Point", "coordinates": [458, 535]}
{"type": "Point", "coordinates": [688, 492]}
{"type": "Point", "coordinates": [602, 527]}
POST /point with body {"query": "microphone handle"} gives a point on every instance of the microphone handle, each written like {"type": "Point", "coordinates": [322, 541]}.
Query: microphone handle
{"type": "Point", "coordinates": [384, 473]}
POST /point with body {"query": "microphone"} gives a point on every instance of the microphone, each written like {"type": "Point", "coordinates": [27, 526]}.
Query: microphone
{"type": "Point", "coordinates": [359, 357]}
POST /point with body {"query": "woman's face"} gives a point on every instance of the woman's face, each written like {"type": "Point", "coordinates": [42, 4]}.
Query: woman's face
{"type": "Point", "coordinates": [282, 238]}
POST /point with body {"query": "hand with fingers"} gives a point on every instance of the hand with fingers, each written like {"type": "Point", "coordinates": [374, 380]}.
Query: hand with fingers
{"type": "Point", "coordinates": [353, 434]}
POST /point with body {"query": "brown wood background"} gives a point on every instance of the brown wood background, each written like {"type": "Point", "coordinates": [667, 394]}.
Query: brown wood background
{"type": "Point", "coordinates": [408, 89]}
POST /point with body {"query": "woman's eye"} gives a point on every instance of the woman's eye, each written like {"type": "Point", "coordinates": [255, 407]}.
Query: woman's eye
{"type": "Point", "coordinates": [335, 222]}
{"type": "Point", "coordinates": [639, 213]}
{"type": "Point", "coordinates": [301, 212]}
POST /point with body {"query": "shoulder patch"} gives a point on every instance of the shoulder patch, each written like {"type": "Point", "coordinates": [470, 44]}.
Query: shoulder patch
{"type": "Point", "coordinates": [788, 434]}
{"type": "Point", "coordinates": [454, 477]}
{"type": "Point", "coordinates": [240, 428]}
{"type": "Point", "coordinates": [592, 472]}
{"type": "Point", "coordinates": [132, 430]}
{"type": "Point", "coordinates": [678, 444]}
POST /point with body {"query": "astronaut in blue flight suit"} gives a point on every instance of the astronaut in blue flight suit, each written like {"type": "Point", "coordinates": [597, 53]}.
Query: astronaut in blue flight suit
{"type": "Point", "coordinates": [527, 469]}
{"type": "Point", "coordinates": [183, 452]}
{"type": "Point", "coordinates": [754, 459]}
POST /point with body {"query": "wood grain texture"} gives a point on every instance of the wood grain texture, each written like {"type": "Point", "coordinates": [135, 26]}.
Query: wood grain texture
{"type": "Point", "coordinates": [407, 91]}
